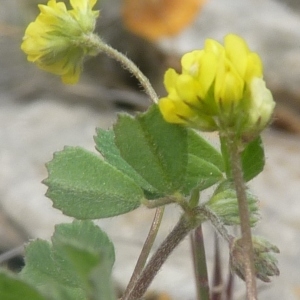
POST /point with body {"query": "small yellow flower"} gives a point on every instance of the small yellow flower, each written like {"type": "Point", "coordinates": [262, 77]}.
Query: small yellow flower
{"type": "Point", "coordinates": [59, 39]}
{"type": "Point", "coordinates": [220, 88]}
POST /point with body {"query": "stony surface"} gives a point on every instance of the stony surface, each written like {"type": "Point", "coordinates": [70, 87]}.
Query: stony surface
{"type": "Point", "coordinates": [30, 131]}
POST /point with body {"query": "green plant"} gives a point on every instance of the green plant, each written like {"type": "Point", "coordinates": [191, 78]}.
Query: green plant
{"type": "Point", "coordinates": [155, 158]}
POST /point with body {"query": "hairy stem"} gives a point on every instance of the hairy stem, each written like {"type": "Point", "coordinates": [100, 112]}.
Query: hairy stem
{"type": "Point", "coordinates": [200, 268]}
{"type": "Point", "coordinates": [128, 64]}
{"type": "Point", "coordinates": [216, 222]}
{"type": "Point", "coordinates": [182, 228]}
{"type": "Point", "coordinates": [217, 281]}
{"type": "Point", "coordinates": [240, 187]}
{"type": "Point", "coordinates": [145, 251]}
{"type": "Point", "coordinates": [159, 202]}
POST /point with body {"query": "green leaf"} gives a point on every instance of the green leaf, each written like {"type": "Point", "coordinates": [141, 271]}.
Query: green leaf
{"type": "Point", "coordinates": [91, 253]}
{"type": "Point", "coordinates": [224, 203]}
{"type": "Point", "coordinates": [85, 236]}
{"type": "Point", "coordinates": [105, 144]}
{"type": "Point", "coordinates": [200, 174]}
{"type": "Point", "coordinates": [253, 159]}
{"type": "Point", "coordinates": [65, 269]}
{"type": "Point", "coordinates": [13, 288]}
{"type": "Point", "coordinates": [83, 186]}
{"type": "Point", "coordinates": [51, 273]}
{"type": "Point", "coordinates": [101, 289]}
{"type": "Point", "coordinates": [154, 148]}
{"type": "Point", "coordinates": [198, 146]}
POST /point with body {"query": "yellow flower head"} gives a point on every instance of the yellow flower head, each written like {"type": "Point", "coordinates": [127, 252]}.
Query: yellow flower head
{"type": "Point", "coordinates": [220, 87]}
{"type": "Point", "coordinates": [58, 40]}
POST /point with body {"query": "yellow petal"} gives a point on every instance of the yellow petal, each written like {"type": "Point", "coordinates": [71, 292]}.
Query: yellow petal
{"type": "Point", "coordinates": [207, 73]}
{"type": "Point", "coordinates": [170, 80]}
{"type": "Point", "coordinates": [83, 5]}
{"type": "Point", "coordinates": [237, 52]}
{"type": "Point", "coordinates": [190, 62]}
{"type": "Point", "coordinates": [84, 8]}
{"type": "Point", "coordinates": [173, 111]}
{"type": "Point", "coordinates": [71, 77]}
{"type": "Point", "coordinates": [187, 89]}
{"type": "Point", "coordinates": [214, 47]}
{"type": "Point", "coordinates": [254, 67]}
{"type": "Point", "coordinates": [229, 86]}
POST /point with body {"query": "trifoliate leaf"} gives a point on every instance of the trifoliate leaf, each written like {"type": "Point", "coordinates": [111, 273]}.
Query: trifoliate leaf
{"type": "Point", "coordinates": [83, 186]}
{"type": "Point", "coordinates": [155, 149]}
{"type": "Point", "coordinates": [105, 144]}
{"type": "Point", "coordinates": [64, 270]}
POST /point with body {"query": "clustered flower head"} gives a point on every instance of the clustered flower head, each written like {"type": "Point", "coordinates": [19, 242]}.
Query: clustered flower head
{"type": "Point", "coordinates": [220, 87]}
{"type": "Point", "coordinates": [57, 41]}
{"type": "Point", "coordinates": [265, 263]}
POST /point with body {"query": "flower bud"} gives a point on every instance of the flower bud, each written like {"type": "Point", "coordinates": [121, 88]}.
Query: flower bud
{"type": "Point", "coordinates": [264, 261]}
{"type": "Point", "coordinates": [260, 109]}
{"type": "Point", "coordinates": [225, 205]}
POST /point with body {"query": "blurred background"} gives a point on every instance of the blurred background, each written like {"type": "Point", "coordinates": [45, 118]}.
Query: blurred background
{"type": "Point", "coordinates": [39, 115]}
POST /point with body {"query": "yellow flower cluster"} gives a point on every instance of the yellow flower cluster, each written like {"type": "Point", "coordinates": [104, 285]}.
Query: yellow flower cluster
{"type": "Point", "coordinates": [57, 40]}
{"type": "Point", "coordinates": [220, 87]}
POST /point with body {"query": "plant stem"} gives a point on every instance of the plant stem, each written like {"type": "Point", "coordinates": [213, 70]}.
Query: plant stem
{"type": "Point", "coordinates": [145, 251]}
{"type": "Point", "coordinates": [216, 222]}
{"type": "Point", "coordinates": [182, 228]}
{"type": "Point", "coordinates": [217, 281]}
{"type": "Point", "coordinates": [240, 187]}
{"type": "Point", "coordinates": [159, 202]}
{"type": "Point", "coordinates": [200, 268]}
{"type": "Point", "coordinates": [96, 42]}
